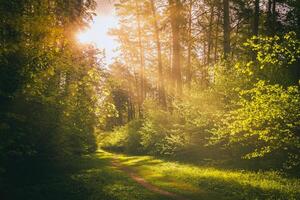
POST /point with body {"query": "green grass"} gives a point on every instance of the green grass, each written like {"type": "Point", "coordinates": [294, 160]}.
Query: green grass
{"type": "Point", "coordinates": [85, 178]}
{"type": "Point", "coordinates": [199, 182]}
{"type": "Point", "coordinates": [94, 178]}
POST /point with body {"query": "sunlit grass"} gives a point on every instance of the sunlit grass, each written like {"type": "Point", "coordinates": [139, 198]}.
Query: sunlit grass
{"type": "Point", "coordinates": [81, 178]}
{"type": "Point", "coordinates": [94, 177]}
{"type": "Point", "coordinates": [211, 183]}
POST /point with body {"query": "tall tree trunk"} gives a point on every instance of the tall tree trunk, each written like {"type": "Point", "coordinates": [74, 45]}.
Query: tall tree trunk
{"type": "Point", "coordinates": [274, 16]}
{"type": "Point", "coordinates": [169, 77]}
{"type": "Point", "coordinates": [256, 18]}
{"type": "Point", "coordinates": [226, 28]}
{"type": "Point", "coordinates": [217, 35]}
{"type": "Point", "coordinates": [130, 106]}
{"type": "Point", "coordinates": [255, 24]}
{"type": "Point", "coordinates": [142, 62]}
{"type": "Point", "coordinates": [161, 87]}
{"type": "Point", "coordinates": [271, 17]}
{"type": "Point", "coordinates": [204, 71]}
{"type": "Point", "coordinates": [189, 70]}
{"type": "Point", "coordinates": [137, 109]}
{"type": "Point", "coordinates": [210, 34]}
{"type": "Point", "coordinates": [176, 68]}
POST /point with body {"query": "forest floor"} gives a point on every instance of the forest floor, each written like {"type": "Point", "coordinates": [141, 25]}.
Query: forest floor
{"type": "Point", "coordinates": [194, 182]}
{"type": "Point", "coordinates": [111, 176]}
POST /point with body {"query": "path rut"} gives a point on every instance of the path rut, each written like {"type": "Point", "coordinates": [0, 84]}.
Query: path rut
{"type": "Point", "coordinates": [144, 183]}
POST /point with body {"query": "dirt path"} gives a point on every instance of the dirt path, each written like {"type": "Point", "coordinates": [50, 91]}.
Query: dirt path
{"type": "Point", "coordinates": [144, 183]}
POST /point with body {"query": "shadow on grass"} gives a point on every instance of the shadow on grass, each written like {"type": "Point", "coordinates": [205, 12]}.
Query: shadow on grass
{"type": "Point", "coordinates": [203, 182]}
{"type": "Point", "coordinates": [82, 178]}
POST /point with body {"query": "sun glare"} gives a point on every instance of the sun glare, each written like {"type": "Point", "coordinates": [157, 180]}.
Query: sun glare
{"type": "Point", "coordinates": [97, 34]}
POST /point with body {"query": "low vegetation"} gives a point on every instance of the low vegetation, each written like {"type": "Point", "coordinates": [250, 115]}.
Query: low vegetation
{"type": "Point", "coordinates": [85, 177]}
{"type": "Point", "coordinates": [209, 182]}
{"type": "Point", "coordinates": [94, 177]}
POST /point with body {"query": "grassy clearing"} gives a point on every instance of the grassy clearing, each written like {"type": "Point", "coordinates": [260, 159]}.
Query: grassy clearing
{"type": "Point", "coordinates": [86, 178]}
{"type": "Point", "coordinates": [94, 178]}
{"type": "Point", "coordinates": [197, 182]}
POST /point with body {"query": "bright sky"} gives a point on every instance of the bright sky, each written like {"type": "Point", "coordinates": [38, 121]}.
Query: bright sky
{"type": "Point", "coordinates": [97, 33]}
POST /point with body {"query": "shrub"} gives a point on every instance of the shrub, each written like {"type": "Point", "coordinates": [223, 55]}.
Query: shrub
{"type": "Point", "coordinates": [266, 121]}
{"type": "Point", "coordinates": [115, 140]}
{"type": "Point", "coordinates": [124, 138]}
{"type": "Point", "coordinates": [184, 129]}
{"type": "Point", "coordinates": [133, 142]}
{"type": "Point", "coordinates": [158, 126]}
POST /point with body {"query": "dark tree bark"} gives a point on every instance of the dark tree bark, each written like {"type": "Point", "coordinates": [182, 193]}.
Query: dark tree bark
{"type": "Point", "coordinates": [176, 68]}
{"type": "Point", "coordinates": [217, 34]}
{"type": "Point", "coordinates": [274, 16]}
{"type": "Point", "coordinates": [142, 62]}
{"type": "Point", "coordinates": [255, 25]}
{"type": "Point", "coordinates": [210, 41]}
{"type": "Point", "coordinates": [161, 87]}
{"type": "Point", "coordinates": [271, 18]}
{"type": "Point", "coordinates": [189, 70]}
{"type": "Point", "coordinates": [226, 28]}
{"type": "Point", "coordinates": [256, 18]}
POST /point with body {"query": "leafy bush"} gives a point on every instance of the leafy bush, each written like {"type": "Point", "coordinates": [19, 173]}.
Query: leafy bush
{"type": "Point", "coordinates": [133, 142]}
{"type": "Point", "coordinates": [266, 121]}
{"type": "Point", "coordinates": [124, 138]}
{"type": "Point", "coordinates": [114, 140]}
{"type": "Point", "coordinates": [184, 129]}
{"type": "Point", "coordinates": [277, 59]}
{"type": "Point", "coordinates": [162, 132]}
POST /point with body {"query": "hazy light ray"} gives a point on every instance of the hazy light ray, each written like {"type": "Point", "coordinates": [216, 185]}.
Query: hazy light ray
{"type": "Point", "coordinates": [97, 34]}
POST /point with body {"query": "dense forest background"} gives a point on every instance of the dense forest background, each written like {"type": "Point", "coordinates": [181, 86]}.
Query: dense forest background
{"type": "Point", "coordinates": [207, 80]}
{"type": "Point", "coordinates": [200, 80]}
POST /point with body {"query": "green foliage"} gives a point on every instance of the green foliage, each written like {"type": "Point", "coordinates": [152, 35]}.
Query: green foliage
{"type": "Point", "coordinates": [250, 110]}
{"type": "Point", "coordinates": [277, 58]}
{"type": "Point", "coordinates": [133, 143]}
{"type": "Point", "coordinates": [49, 84]}
{"type": "Point", "coordinates": [114, 140]}
{"type": "Point", "coordinates": [186, 127]}
{"type": "Point", "coordinates": [266, 120]}
{"type": "Point", "coordinates": [275, 50]}
{"type": "Point", "coordinates": [161, 132]}
{"type": "Point", "coordinates": [124, 138]}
